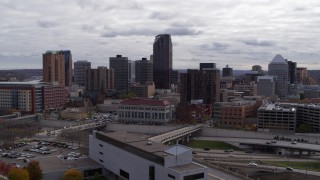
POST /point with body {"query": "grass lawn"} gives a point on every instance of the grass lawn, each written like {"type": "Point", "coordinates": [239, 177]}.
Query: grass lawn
{"type": "Point", "coordinates": [312, 166]}
{"type": "Point", "coordinates": [218, 145]}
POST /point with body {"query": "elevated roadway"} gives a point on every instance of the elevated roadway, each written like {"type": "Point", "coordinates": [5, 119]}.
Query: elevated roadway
{"type": "Point", "coordinates": [176, 134]}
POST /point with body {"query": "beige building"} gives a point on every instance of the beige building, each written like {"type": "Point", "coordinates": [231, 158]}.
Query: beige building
{"type": "Point", "coordinates": [57, 67]}
{"type": "Point", "coordinates": [100, 79]}
{"type": "Point", "coordinates": [143, 90]}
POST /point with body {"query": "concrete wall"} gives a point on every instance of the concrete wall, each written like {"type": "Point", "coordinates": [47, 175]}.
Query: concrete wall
{"type": "Point", "coordinates": [144, 129]}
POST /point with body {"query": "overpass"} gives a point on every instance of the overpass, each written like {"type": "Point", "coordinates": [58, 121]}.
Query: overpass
{"type": "Point", "coordinates": [264, 144]}
{"type": "Point", "coordinates": [178, 134]}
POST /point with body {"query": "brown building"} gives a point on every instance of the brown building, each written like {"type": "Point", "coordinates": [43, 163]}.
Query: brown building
{"type": "Point", "coordinates": [54, 97]}
{"type": "Point", "coordinates": [301, 74]}
{"type": "Point", "coordinates": [200, 84]}
{"type": "Point", "coordinates": [143, 90]}
{"type": "Point", "coordinates": [235, 114]}
{"type": "Point", "coordinates": [193, 113]}
{"type": "Point", "coordinates": [57, 67]}
{"type": "Point", "coordinates": [100, 79]}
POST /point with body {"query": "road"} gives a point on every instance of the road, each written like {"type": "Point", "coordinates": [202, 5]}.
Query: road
{"type": "Point", "coordinates": [220, 175]}
{"type": "Point", "coordinates": [283, 144]}
{"type": "Point", "coordinates": [270, 168]}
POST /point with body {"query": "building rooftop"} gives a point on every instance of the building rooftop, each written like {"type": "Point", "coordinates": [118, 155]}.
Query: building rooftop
{"type": "Point", "coordinates": [53, 164]}
{"type": "Point", "coordinates": [276, 107]}
{"type": "Point", "coordinates": [148, 102]}
{"type": "Point", "coordinates": [138, 141]}
{"type": "Point", "coordinates": [22, 83]}
{"type": "Point", "coordinates": [278, 59]}
{"type": "Point", "coordinates": [187, 167]}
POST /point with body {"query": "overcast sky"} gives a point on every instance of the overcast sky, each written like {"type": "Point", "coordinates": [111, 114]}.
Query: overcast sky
{"type": "Point", "coordinates": [240, 33]}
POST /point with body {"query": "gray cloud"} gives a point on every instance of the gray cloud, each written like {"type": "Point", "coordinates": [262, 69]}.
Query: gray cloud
{"type": "Point", "coordinates": [161, 15]}
{"type": "Point", "coordinates": [215, 46]}
{"type": "Point", "coordinates": [46, 24]}
{"type": "Point", "coordinates": [254, 42]}
{"type": "Point", "coordinates": [182, 31]}
{"type": "Point", "coordinates": [223, 34]}
{"type": "Point", "coordinates": [130, 32]}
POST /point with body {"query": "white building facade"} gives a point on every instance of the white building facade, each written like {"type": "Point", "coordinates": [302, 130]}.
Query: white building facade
{"type": "Point", "coordinates": [131, 156]}
{"type": "Point", "coordinates": [145, 111]}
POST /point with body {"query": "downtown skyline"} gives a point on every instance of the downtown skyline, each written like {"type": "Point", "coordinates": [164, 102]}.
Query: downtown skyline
{"type": "Point", "coordinates": [235, 33]}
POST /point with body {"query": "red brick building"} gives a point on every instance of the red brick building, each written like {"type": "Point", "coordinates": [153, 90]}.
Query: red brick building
{"type": "Point", "coordinates": [54, 97]}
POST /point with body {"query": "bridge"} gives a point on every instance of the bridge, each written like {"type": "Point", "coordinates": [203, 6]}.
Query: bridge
{"type": "Point", "coordinates": [280, 147]}
{"type": "Point", "coordinates": [177, 135]}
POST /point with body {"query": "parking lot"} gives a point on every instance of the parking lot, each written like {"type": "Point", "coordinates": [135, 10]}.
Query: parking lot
{"type": "Point", "coordinates": [22, 153]}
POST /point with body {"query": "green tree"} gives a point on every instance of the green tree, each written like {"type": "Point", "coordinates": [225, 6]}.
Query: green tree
{"type": "Point", "coordinates": [18, 174]}
{"type": "Point", "coordinates": [35, 172]}
{"type": "Point", "coordinates": [72, 174]}
{"type": "Point", "coordinates": [304, 128]}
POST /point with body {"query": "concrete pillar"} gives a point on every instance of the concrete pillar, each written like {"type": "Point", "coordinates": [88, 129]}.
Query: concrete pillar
{"type": "Point", "coordinates": [309, 153]}
{"type": "Point", "coordinates": [300, 152]}
{"type": "Point", "coordinates": [291, 152]}
{"type": "Point", "coordinates": [188, 138]}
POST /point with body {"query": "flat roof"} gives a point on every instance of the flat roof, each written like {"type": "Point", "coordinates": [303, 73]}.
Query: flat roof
{"type": "Point", "coordinates": [21, 83]}
{"type": "Point", "coordinates": [53, 164]}
{"type": "Point", "coordinates": [276, 107]}
{"type": "Point", "coordinates": [187, 167]}
{"type": "Point", "coordinates": [138, 141]}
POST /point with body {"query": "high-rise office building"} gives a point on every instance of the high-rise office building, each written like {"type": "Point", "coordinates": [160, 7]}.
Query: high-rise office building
{"type": "Point", "coordinates": [143, 71]}
{"type": "Point", "coordinates": [200, 85]}
{"type": "Point", "coordinates": [292, 72]}
{"type": "Point", "coordinates": [227, 71]}
{"type": "Point", "coordinates": [279, 67]}
{"type": "Point", "coordinates": [204, 66]}
{"type": "Point", "coordinates": [120, 65]}
{"type": "Point", "coordinates": [80, 68]}
{"type": "Point", "coordinates": [162, 61]}
{"type": "Point", "coordinates": [57, 67]}
{"type": "Point", "coordinates": [100, 79]}
{"type": "Point", "coordinates": [266, 86]}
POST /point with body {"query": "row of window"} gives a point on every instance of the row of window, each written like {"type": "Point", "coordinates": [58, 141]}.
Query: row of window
{"type": "Point", "coordinates": [143, 115]}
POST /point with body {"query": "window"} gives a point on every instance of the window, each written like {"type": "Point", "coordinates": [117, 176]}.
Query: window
{"type": "Point", "coordinates": [100, 145]}
{"type": "Point", "coordinates": [171, 176]}
{"type": "Point", "coordinates": [101, 160]}
{"type": "Point", "coordinates": [124, 174]}
{"type": "Point", "coordinates": [100, 152]}
{"type": "Point", "coordinates": [194, 176]}
{"type": "Point", "coordinates": [151, 173]}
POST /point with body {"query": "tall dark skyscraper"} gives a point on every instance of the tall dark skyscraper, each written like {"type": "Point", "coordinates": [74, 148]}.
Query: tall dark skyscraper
{"type": "Point", "coordinates": [121, 72]}
{"type": "Point", "coordinates": [292, 72]}
{"type": "Point", "coordinates": [143, 71]}
{"type": "Point", "coordinates": [200, 84]}
{"type": "Point", "coordinates": [227, 71]}
{"type": "Point", "coordinates": [162, 61]}
{"type": "Point", "coordinates": [80, 68]}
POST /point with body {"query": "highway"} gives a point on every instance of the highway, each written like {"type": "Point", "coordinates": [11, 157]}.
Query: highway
{"type": "Point", "coordinates": [283, 144]}
{"type": "Point", "coordinates": [165, 137]}
{"type": "Point", "coordinates": [265, 167]}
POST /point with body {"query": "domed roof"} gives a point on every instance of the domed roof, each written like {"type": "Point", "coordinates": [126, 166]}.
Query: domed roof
{"type": "Point", "coordinates": [278, 59]}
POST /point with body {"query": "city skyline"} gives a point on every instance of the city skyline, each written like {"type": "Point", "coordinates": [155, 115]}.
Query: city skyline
{"type": "Point", "coordinates": [229, 32]}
